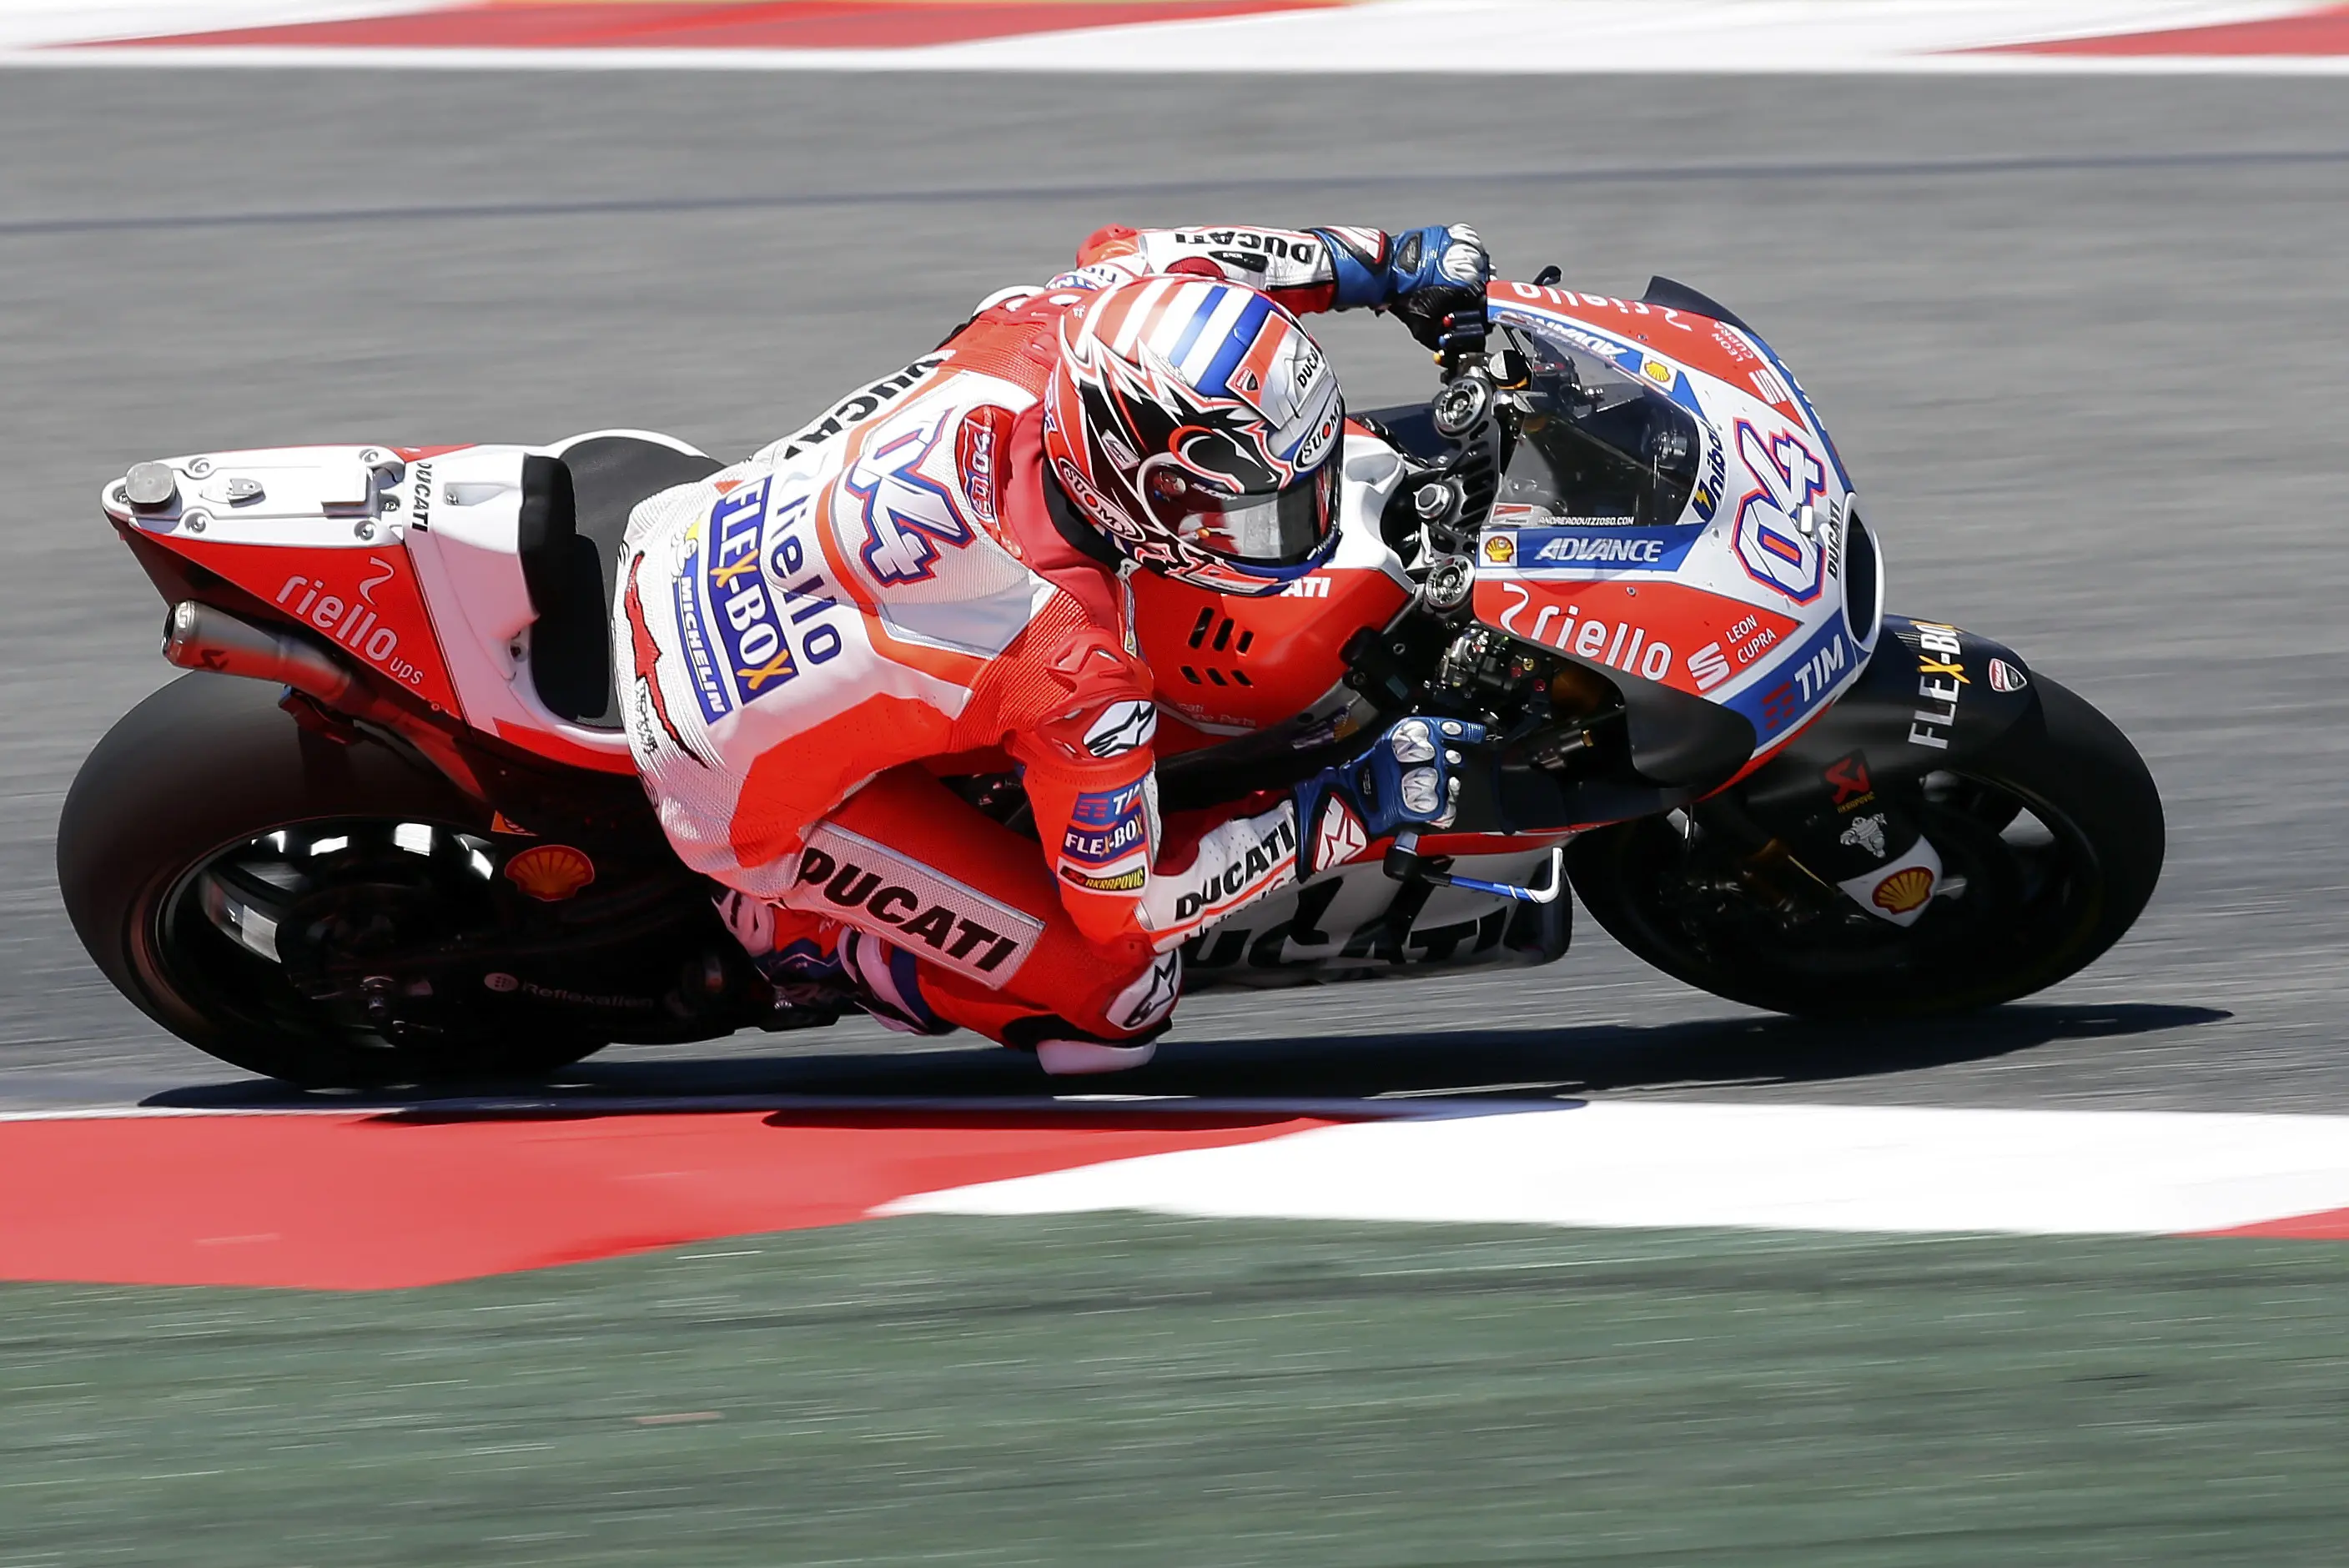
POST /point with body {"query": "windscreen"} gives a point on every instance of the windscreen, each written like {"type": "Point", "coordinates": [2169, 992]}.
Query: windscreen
{"type": "Point", "coordinates": [1599, 444]}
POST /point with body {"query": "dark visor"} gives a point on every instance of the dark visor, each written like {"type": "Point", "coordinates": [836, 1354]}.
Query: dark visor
{"type": "Point", "coordinates": [1267, 528]}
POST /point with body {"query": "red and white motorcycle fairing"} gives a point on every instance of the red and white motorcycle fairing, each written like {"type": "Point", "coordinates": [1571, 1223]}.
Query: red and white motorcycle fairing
{"type": "Point", "coordinates": [408, 559]}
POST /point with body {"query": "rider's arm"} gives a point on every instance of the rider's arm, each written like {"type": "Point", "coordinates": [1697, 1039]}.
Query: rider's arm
{"type": "Point", "coordinates": [1124, 875]}
{"type": "Point", "coordinates": [1305, 269]}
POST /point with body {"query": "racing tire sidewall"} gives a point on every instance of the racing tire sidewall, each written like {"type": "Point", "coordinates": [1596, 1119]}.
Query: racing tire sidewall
{"type": "Point", "coordinates": [205, 763]}
{"type": "Point", "coordinates": [2063, 760]}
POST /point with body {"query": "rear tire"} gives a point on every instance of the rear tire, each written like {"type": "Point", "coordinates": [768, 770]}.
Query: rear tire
{"type": "Point", "coordinates": [2057, 828]}
{"type": "Point", "coordinates": [206, 765]}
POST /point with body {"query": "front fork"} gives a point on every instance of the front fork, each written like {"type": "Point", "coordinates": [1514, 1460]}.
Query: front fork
{"type": "Point", "coordinates": [1856, 840]}
{"type": "Point", "coordinates": [1838, 801]}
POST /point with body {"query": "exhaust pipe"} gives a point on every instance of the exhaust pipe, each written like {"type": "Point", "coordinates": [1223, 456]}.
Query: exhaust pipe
{"type": "Point", "coordinates": [200, 638]}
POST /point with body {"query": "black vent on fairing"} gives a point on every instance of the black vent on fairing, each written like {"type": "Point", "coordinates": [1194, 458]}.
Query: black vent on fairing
{"type": "Point", "coordinates": [1863, 592]}
{"type": "Point", "coordinates": [1215, 634]}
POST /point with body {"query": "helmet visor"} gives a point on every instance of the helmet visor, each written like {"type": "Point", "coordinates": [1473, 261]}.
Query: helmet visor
{"type": "Point", "coordinates": [1267, 528]}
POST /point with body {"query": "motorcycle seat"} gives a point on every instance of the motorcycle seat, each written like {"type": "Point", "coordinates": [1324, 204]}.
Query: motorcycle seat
{"type": "Point", "coordinates": [574, 510]}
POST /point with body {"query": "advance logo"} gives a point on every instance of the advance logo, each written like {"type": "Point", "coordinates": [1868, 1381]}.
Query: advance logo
{"type": "Point", "coordinates": [1556, 550]}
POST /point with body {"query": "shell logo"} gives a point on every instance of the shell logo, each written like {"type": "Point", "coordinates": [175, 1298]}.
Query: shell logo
{"type": "Point", "coordinates": [1500, 550]}
{"type": "Point", "coordinates": [1904, 891]}
{"type": "Point", "coordinates": [552, 872]}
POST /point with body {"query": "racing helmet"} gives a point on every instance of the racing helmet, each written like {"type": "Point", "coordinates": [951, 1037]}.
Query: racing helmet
{"type": "Point", "coordinates": [1197, 427]}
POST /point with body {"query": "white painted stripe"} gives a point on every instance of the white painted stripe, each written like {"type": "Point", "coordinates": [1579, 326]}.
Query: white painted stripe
{"type": "Point", "coordinates": [1580, 35]}
{"type": "Point", "coordinates": [32, 23]}
{"type": "Point", "coordinates": [1520, 37]}
{"type": "Point", "coordinates": [1812, 1168]}
{"type": "Point", "coordinates": [867, 61]}
{"type": "Point", "coordinates": [1138, 316]}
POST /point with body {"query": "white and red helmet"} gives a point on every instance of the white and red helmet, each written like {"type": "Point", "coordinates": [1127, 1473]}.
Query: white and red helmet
{"type": "Point", "coordinates": [1197, 427]}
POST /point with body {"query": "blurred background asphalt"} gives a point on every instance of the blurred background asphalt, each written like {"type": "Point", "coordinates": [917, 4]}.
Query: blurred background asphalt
{"type": "Point", "coordinates": [2080, 342]}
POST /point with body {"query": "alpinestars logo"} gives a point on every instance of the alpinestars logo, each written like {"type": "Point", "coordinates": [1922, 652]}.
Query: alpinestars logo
{"type": "Point", "coordinates": [647, 662]}
{"type": "Point", "coordinates": [1152, 997]}
{"type": "Point", "coordinates": [1122, 726]}
{"type": "Point", "coordinates": [1340, 838]}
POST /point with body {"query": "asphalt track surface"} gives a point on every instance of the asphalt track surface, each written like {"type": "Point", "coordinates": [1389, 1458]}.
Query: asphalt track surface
{"type": "Point", "coordinates": [2081, 342]}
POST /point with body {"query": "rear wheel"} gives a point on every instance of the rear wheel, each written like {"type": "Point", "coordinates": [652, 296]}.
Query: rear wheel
{"type": "Point", "coordinates": [2050, 842]}
{"type": "Point", "coordinates": [231, 873]}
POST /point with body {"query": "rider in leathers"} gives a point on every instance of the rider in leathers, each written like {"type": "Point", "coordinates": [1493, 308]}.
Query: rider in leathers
{"type": "Point", "coordinates": [929, 582]}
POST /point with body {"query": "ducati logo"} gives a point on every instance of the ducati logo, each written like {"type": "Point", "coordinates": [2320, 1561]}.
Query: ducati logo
{"type": "Point", "coordinates": [913, 908]}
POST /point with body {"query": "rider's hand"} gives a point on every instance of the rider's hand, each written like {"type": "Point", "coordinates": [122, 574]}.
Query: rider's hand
{"type": "Point", "coordinates": [1433, 271]}
{"type": "Point", "coordinates": [1406, 778]}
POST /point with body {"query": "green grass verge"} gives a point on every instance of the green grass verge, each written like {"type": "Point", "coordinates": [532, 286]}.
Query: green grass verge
{"type": "Point", "coordinates": [1132, 1391]}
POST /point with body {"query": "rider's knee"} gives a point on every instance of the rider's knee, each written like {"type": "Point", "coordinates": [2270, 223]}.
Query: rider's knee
{"type": "Point", "coordinates": [1070, 1058]}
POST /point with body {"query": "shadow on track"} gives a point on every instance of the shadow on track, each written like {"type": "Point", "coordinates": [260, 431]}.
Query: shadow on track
{"type": "Point", "coordinates": [1493, 1064]}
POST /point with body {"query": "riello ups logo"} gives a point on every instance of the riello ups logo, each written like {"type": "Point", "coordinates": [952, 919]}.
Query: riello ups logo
{"type": "Point", "coordinates": [353, 621]}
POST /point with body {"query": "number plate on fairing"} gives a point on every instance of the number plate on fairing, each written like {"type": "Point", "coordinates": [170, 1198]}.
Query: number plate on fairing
{"type": "Point", "coordinates": [1672, 511]}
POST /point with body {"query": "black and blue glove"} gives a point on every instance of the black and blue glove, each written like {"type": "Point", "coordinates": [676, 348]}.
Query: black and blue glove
{"type": "Point", "coordinates": [1449, 257]}
{"type": "Point", "coordinates": [1406, 778]}
{"type": "Point", "coordinates": [1423, 276]}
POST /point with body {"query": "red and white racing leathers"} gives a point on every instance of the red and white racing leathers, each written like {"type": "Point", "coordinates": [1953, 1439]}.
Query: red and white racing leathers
{"type": "Point", "coordinates": [817, 632]}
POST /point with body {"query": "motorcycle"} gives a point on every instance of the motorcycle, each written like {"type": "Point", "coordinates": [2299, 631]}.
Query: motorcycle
{"type": "Point", "coordinates": [386, 830]}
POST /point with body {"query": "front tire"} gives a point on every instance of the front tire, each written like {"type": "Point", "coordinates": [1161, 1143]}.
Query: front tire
{"type": "Point", "coordinates": [162, 820]}
{"type": "Point", "coordinates": [2055, 829]}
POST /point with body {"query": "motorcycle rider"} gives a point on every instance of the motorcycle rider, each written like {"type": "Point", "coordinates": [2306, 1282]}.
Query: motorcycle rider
{"type": "Point", "coordinates": [930, 581]}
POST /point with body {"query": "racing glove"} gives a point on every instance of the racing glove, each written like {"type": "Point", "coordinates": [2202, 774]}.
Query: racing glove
{"type": "Point", "coordinates": [1405, 778]}
{"type": "Point", "coordinates": [1421, 275]}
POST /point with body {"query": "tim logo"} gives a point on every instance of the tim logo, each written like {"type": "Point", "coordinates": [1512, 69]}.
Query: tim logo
{"type": "Point", "coordinates": [1104, 825]}
{"type": "Point", "coordinates": [907, 512]}
{"type": "Point", "coordinates": [1770, 544]}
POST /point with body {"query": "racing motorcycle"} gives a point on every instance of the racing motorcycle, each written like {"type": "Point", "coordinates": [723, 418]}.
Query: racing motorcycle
{"type": "Point", "coordinates": [388, 831]}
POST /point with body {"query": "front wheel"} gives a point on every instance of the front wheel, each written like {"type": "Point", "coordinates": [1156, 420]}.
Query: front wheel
{"type": "Point", "coordinates": [2051, 842]}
